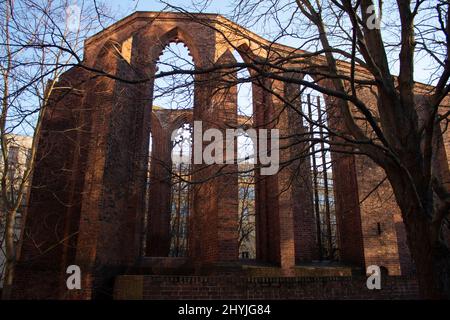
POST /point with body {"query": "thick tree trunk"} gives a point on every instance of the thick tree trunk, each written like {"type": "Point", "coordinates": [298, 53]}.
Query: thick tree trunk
{"type": "Point", "coordinates": [414, 196]}
{"type": "Point", "coordinates": [432, 259]}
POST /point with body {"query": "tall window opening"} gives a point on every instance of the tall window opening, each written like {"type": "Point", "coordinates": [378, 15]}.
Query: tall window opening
{"type": "Point", "coordinates": [244, 90]}
{"type": "Point", "coordinates": [172, 94]}
{"type": "Point", "coordinates": [246, 185]}
{"type": "Point", "coordinates": [180, 191]}
{"type": "Point", "coordinates": [313, 106]}
{"type": "Point", "coordinates": [245, 155]}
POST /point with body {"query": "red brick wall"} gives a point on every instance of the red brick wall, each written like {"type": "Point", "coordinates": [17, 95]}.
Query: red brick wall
{"type": "Point", "coordinates": [184, 287]}
{"type": "Point", "coordinates": [378, 210]}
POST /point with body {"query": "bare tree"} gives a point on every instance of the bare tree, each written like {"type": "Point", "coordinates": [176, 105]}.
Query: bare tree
{"type": "Point", "coordinates": [348, 55]}
{"type": "Point", "coordinates": [40, 39]}
{"type": "Point", "coordinates": [405, 136]}
{"type": "Point", "coordinates": [352, 51]}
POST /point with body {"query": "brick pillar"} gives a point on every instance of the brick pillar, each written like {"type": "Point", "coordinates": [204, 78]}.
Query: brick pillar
{"type": "Point", "coordinates": [261, 103]}
{"type": "Point", "coordinates": [51, 219]}
{"type": "Point", "coordinates": [158, 235]}
{"type": "Point", "coordinates": [214, 232]}
{"type": "Point", "coordinates": [348, 215]}
{"type": "Point", "coordinates": [280, 211]}
{"type": "Point", "coordinates": [285, 215]}
{"type": "Point", "coordinates": [113, 191]}
{"type": "Point", "coordinates": [305, 230]}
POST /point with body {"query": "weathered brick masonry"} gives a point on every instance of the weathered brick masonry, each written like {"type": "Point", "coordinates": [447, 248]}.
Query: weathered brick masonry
{"type": "Point", "coordinates": [87, 208]}
{"type": "Point", "coordinates": [335, 288]}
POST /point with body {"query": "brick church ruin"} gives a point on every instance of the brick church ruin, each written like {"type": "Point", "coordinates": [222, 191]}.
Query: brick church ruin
{"type": "Point", "coordinates": [94, 203]}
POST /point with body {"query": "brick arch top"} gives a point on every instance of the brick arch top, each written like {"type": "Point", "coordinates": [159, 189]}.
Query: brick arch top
{"type": "Point", "coordinates": [174, 119]}
{"type": "Point", "coordinates": [195, 30]}
{"type": "Point", "coordinates": [159, 38]}
{"type": "Point", "coordinates": [207, 36]}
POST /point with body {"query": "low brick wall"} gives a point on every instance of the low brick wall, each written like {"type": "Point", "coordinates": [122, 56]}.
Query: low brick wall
{"type": "Point", "coordinates": [201, 287]}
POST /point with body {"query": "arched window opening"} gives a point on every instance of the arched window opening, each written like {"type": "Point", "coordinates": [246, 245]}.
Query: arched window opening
{"type": "Point", "coordinates": [314, 109]}
{"type": "Point", "coordinates": [180, 191]}
{"type": "Point", "coordinates": [169, 190]}
{"type": "Point", "coordinates": [245, 155]}
{"type": "Point", "coordinates": [174, 91]}
{"type": "Point", "coordinates": [246, 185]}
{"type": "Point", "coordinates": [244, 89]}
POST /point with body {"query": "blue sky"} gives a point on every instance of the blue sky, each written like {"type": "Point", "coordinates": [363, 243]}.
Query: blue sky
{"type": "Point", "coordinates": [267, 29]}
{"type": "Point", "coordinates": [214, 6]}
